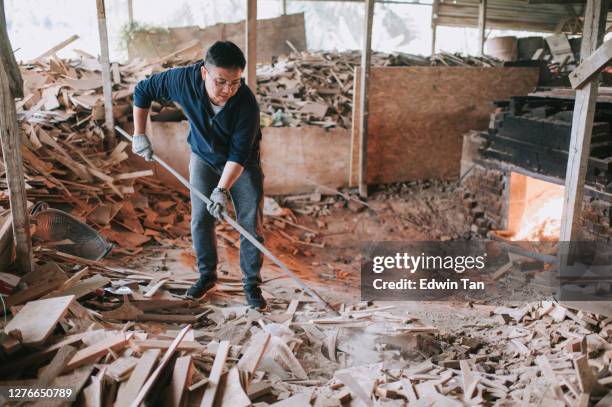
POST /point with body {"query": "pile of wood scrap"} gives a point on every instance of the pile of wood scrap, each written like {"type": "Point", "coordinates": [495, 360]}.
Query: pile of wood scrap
{"type": "Point", "coordinates": [122, 336]}
{"type": "Point", "coordinates": [539, 354]}
{"type": "Point", "coordinates": [71, 162]}
{"type": "Point", "coordinates": [316, 88]}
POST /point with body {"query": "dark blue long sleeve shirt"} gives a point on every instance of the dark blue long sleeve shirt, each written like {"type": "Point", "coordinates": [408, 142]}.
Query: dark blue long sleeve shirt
{"type": "Point", "coordinates": [233, 134]}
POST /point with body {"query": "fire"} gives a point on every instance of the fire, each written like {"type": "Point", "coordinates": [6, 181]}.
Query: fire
{"type": "Point", "coordinates": [541, 220]}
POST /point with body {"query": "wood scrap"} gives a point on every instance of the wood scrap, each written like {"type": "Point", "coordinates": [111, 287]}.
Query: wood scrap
{"type": "Point", "coordinates": [36, 319]}
{"type": "Point", "coordinates": [148, 385]}
{"type": "Point", "coordinates": [210, 392]}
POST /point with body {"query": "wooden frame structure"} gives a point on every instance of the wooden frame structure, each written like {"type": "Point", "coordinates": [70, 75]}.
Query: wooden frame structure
{"type": "Point", "coordinates": [251, 44]}
{"type": "Point", "coordinates": [107, 86]}
{"type": "Point", "coordinates": [11, 87]}
{"type": "Point", "coordinates": [584, 113]}
{"type": "Point", "coordinates": [366, 54]}
{"type": "Point", "coordinates": [482, 22]}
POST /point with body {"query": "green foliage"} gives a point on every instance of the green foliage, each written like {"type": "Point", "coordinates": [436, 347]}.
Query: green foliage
{"type": "Point", "coordinates": [130, 30]}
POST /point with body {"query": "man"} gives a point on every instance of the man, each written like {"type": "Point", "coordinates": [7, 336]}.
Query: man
{"type": "Point", "coordinates": [224, 138]}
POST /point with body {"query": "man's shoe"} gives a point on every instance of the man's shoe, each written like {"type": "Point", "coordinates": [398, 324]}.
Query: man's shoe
{"type": "Point", "coordinates": [254, 297]}
{"type": "Point", "coordinates": [201, 287]}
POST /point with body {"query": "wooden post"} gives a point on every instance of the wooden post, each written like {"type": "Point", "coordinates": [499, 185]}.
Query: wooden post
{"type": "Point", "coordinates": [433, 38]}
{"type": "Point", "coordinates": [482, 21]}
{"type": "Point", "coordinates": [366, 54]}
{"type": "Point", "coordinates": [582, 126]}
{"type": "Point", "coordinates": [434, 25]}
{"type": "Point", "coordinates": [11, 86]}
{"type": "Point", "coordinates": [106, 72]}
{"type": "Point", "coordinates": [130, 12]}
{"type": "Point", "coordinates": [251, 45]}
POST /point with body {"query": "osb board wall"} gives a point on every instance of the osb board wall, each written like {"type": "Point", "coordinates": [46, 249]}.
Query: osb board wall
{"type": "Point", "coordinates": [294, 159]}
{"type": "Point", "coordinates": [271, 36]}
{"type": "Point", "coordinates": [418, 115]}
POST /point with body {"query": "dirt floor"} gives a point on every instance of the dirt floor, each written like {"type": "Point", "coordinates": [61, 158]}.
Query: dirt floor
{"type": "Point", "coordinates": [454, 352]}
{"type": "Point", "coordinates": [327, 255]}
{"type": "Point", "coordinates": [407, 211]}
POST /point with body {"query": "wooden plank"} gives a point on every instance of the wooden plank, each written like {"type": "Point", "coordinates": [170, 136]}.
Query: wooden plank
{"type": "Point", "coordinates": [251, 44]}
{"type": "Point", "coordinates": [165, 344]}
{"type": "Point", "coordinates": [293, 306]}
{"type": "Point", "coordinates": [85, 287]}
{"type": "Point", "coordinates": [285, 353]}
{"type": "Point", "coordinates": [366, 55]}
{"type": "Point", "coordinates": [215, 375]}
{"type": "Point", "coordinates": [233, 394]}
{"type": "Point", "coordinates": [57, 47]}
{"type": "Point", "coordinates": [71, 282]}
{"type": "Point", "coordinates": [469, 380]}
{"type": "Point", "coordinates": [37, 319]}
{"type": "Point", "coordinates": [93, 352]}
{"type": "Point", "coordinates": [258, 389]}
{"type": "Point", "coordinates": [34, 292]}
{"type": "Point", "coordinates": [482, 21]}
{"type": "Point", "coordinates": [138, 377]}
{"type": "Point", "coordinates": [56, 367]}
{"type": "Point", "coordinates": [251, 358]}
{"type": "Point", "coordinates": [106, 71]}
{"type": "Point", "coordinates": [583, 400]}
{"type": "Point", "coordinates": [135, 174]}
{"type": "Point", "coordinates": [180, 378]}
{"type": "Point", "coordinates": [75, 380]}
{"type": "Point", "coordinates": [549, 374]}
{"type": "Point", "coordinates": [592, 65]}
{"type": "Point", "coordinates": [330, 343]}
{"type": "Point", "coordinates": [605, 401]}
{"type": "Point", "coordinates": [40, 356]}
{"type": "Point", "coordinates": [356, 389]}
{"type": "Point", "coordinates": [144, 391]}
{"type": "Point", "coordinates": [582, 126]}
{"type": "Point", "coordinates": [502, 271]}
{"type": "Point", "coordinates": [297, 400]}
{"type": "Point", "coordinates": [121, 367]}
{"type": "Point", "coordinates": [11, 85]}
{"type": "Point", "coordinates": [586, 378]}
{"type": "Point", "coordinates": [155, 287]}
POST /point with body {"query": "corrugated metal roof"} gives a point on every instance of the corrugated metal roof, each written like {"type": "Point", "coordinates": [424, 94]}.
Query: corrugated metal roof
{"type": "Point", "coordinates": [508, 14]}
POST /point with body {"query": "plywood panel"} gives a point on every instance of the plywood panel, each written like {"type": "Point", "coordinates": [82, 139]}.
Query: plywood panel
{"type": "Point", "coordinates": [419, 114]}
{"type": "Point", "coordinates": [293, 158]}
{"type": "Point", "coordinates": [296, 157]}
{"type": "Point", "coordinates": [37, 319]}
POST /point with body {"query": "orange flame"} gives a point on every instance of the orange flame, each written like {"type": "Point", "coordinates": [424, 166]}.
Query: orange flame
{"type": "Point", "coordinates": [541, 220]}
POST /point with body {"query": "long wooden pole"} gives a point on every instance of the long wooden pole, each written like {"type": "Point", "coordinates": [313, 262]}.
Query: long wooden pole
{"type": "Point", "coordinates": [434, 24]}
{"type": "Point", "coordinates": [130, 12]}
{"type": "Point", "coordinates": [106, 70]}
{"type": "Point", "coordinates": [251, 44]}
{"type": "Point", "coordinates": [582, 125]}
{"type": "Point", "coordinates": [482, 22]}
{"type": "Point", "coordinates": [11, 86]}
{"type": "Point", "coordinates": [366, 54]}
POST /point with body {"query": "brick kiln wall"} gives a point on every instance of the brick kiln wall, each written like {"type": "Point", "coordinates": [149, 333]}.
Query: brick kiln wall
{"type": "Point", "coordinates": [483, 199]}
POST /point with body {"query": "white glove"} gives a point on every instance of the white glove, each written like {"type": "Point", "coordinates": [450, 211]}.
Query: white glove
{"type": "Point", "coordinates": [218, 205]}
{"type": "Point", "coordinates": [142, 146]}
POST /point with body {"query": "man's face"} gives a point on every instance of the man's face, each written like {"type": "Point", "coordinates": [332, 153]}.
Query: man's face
{"type": "Point", "coordinates": [221, 83]}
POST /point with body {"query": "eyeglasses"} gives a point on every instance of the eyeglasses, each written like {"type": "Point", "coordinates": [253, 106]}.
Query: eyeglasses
{"type": "Point", "coordinates": [220, 82]}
